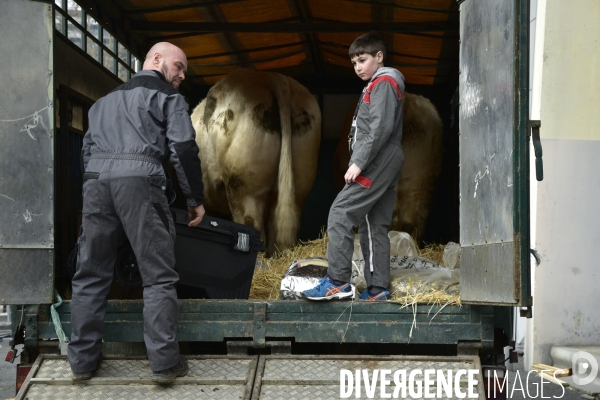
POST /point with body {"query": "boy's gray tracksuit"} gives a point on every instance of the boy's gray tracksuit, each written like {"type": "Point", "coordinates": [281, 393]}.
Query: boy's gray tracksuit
{"type": "Point", "coordinates": [369, 202]}
{"type": "Point", "coordinates": [132, 131]}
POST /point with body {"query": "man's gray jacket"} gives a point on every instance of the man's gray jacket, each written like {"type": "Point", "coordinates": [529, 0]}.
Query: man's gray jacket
{"type": "Point", "coordinates": [147, 117]}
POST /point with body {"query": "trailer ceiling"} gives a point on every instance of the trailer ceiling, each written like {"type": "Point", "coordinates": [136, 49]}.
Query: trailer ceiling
{"type": "Point", "coordinates": [299, 38]}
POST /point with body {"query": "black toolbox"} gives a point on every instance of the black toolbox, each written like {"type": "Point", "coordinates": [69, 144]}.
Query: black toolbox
{"type": "Point", "coordinates": [216, 259]}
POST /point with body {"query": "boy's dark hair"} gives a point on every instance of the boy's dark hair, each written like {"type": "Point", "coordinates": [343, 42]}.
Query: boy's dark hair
{"type": "Point", "coordinates": [369, 43]}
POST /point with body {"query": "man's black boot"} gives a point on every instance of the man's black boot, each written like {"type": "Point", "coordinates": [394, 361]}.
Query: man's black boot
{"type": "Point", "coordinates": [167, 376]}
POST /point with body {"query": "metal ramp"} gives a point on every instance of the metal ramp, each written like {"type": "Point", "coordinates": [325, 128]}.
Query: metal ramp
{"type": "Point", "coordinates": [210, 377]}
{"type": "Point", "coordinates": [271, 377]}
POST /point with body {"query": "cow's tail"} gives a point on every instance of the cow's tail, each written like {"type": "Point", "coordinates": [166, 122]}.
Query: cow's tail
{"type": "Point", "coordinates": [286, 213]}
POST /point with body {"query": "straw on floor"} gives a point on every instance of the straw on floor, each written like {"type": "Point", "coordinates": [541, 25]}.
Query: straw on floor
{"type": "Point", "coordinates": [269, 272]}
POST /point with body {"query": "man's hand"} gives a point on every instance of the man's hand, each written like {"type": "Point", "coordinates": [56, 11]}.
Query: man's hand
{"type": "Point", "coordinates": [196, 214]}
{"type": "Point", "coordinates": [352, 173]}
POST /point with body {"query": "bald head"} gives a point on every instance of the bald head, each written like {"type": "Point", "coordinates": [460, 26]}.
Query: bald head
{"type": "Point", "coordinates": [168, 59]}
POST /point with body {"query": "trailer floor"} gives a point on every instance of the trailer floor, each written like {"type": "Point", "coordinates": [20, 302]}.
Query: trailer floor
{"type": "Point", "coordinates": [224, 377]}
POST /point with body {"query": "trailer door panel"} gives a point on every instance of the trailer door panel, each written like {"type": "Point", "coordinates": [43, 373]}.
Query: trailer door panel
{"type": "Point", "coordinates": [26, 153]}
{"type": "Point", "coordinates": [493, 90]}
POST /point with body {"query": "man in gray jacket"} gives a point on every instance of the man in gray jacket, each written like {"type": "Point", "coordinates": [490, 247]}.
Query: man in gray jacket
{"type": "Point", "coordinates": [367, 200]}
{"type": "Point", "coordinates": [132, 131]}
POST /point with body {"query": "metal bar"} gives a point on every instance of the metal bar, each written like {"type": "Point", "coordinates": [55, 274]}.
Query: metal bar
{"type": "Point", "coordinates": [155, 39]}
{"type": "Point", "coordinates": [306, 27]}
{"type": "Point", "coordinates": [84, 33]}
{"type": "Point", "coordinates": [101, 43]}
{"type": "Point", "coordinates": [260, 371]}
{"type": "Point", "coordinates": [314, 47]}
{"type": "Point", "coordinates": [246, 51]}
{"type": "Point", "coordinates": [214, 320]}
{"type": "Point", "coordinates": [521, 161]}
{"type": "Point", "coordinates": [437, 65]}
{"type": "Point", "coordinates": [178, 7]}
{"type": "Point", "coordinates": [260, 324]}
{"type": "Point", "coordinates": [391, 53]}
{"type": "Point", "coordinates": [384, 15]}
{"type": "Point", "coordinates": [196, 77]}
{"type": "Point", "coordinates": [394, 5]}
{"type": "Point", "coordinates": [134, 381]}
{"type": "Point", "coordinates": [63, 25]}
{"type": "Point", "coordinates": [128, 63]}
{"type": "Point", "coordinates": [253, 61]}
{"type": "Point", "coordinates": [61, 165]}
{"type": "Point", "coordinates": [189, 357]}
{"type": "Point", "coordinates": [251, 377]}
{"type": "Point", "coordinates": [229, 41]}
{"type": "Point", "coordinates": [368, 357]}
{"type": "Point", "coordinates": [166, 38]}
{"type": "Point", "coordinates": [116, 58]}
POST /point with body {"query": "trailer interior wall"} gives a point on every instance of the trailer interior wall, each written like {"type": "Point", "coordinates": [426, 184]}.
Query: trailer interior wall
{"type": "Point", "coordinates": [567, 222]}
{"type": "Point", "coordinates": [79, 72]}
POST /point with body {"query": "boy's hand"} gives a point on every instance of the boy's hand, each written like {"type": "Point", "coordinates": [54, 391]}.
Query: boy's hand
{"type": "Point", "coordinates": [352, 173]}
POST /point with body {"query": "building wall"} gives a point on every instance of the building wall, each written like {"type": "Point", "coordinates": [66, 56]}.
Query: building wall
{"type": "Point", "coordinates": [565, 212]}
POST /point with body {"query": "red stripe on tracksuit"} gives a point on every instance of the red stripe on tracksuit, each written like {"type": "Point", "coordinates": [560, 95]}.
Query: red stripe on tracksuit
{"type": "Point", "coordinates": [371, 87]}
{"type": "Point", "coordinates": [364, 181]}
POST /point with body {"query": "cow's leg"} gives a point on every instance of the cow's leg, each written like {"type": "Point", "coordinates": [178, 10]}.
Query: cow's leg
{"type": "Point", "coordinates": [412, 207]}
{"type": "Point", "coordinates": [270, 242]}
{"type": "Point", "coordinates": [248, 210]}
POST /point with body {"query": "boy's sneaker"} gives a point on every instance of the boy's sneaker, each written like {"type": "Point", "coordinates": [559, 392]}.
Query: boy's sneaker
{"type": "Point", "coordinates": [328, 290]}
{"type": "Point", "coordinates": [384, 295]}
{"type": "Point", "coordinates": [167, 376]}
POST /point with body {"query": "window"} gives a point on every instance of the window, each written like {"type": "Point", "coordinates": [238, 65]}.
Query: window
{"type": "Point", "coordinates": [86, 33]}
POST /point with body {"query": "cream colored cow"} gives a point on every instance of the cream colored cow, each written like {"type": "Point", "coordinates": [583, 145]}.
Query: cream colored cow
{"type": "Point", "coordinates": [259, 135]}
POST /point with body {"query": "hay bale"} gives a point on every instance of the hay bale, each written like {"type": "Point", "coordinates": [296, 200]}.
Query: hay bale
{"type": "Point", "coordinates": [434, 252]}
{"type": "Point", "coordinates": [412, 292]}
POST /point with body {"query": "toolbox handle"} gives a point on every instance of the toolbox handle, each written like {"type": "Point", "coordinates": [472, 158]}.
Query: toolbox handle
{"type": "Point", "coordinates": [237, 239]}
{"type": "Point", "coordinates": [241, 241]}
{"type": "Point", "coordinates": [246, 242]}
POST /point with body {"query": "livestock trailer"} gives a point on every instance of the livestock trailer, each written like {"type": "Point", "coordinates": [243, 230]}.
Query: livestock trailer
{"type": "Point", "coordinates": [470, 57]}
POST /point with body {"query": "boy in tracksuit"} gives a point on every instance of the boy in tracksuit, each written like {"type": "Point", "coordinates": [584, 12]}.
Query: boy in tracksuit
{"type": "Point", "coordinates": [367, 200]}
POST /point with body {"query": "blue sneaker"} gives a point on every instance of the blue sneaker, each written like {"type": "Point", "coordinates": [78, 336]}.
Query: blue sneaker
{"type": "Point", "coordinates": [384, 295]}
{"type": "Point", "coordinates": [328, 290]}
